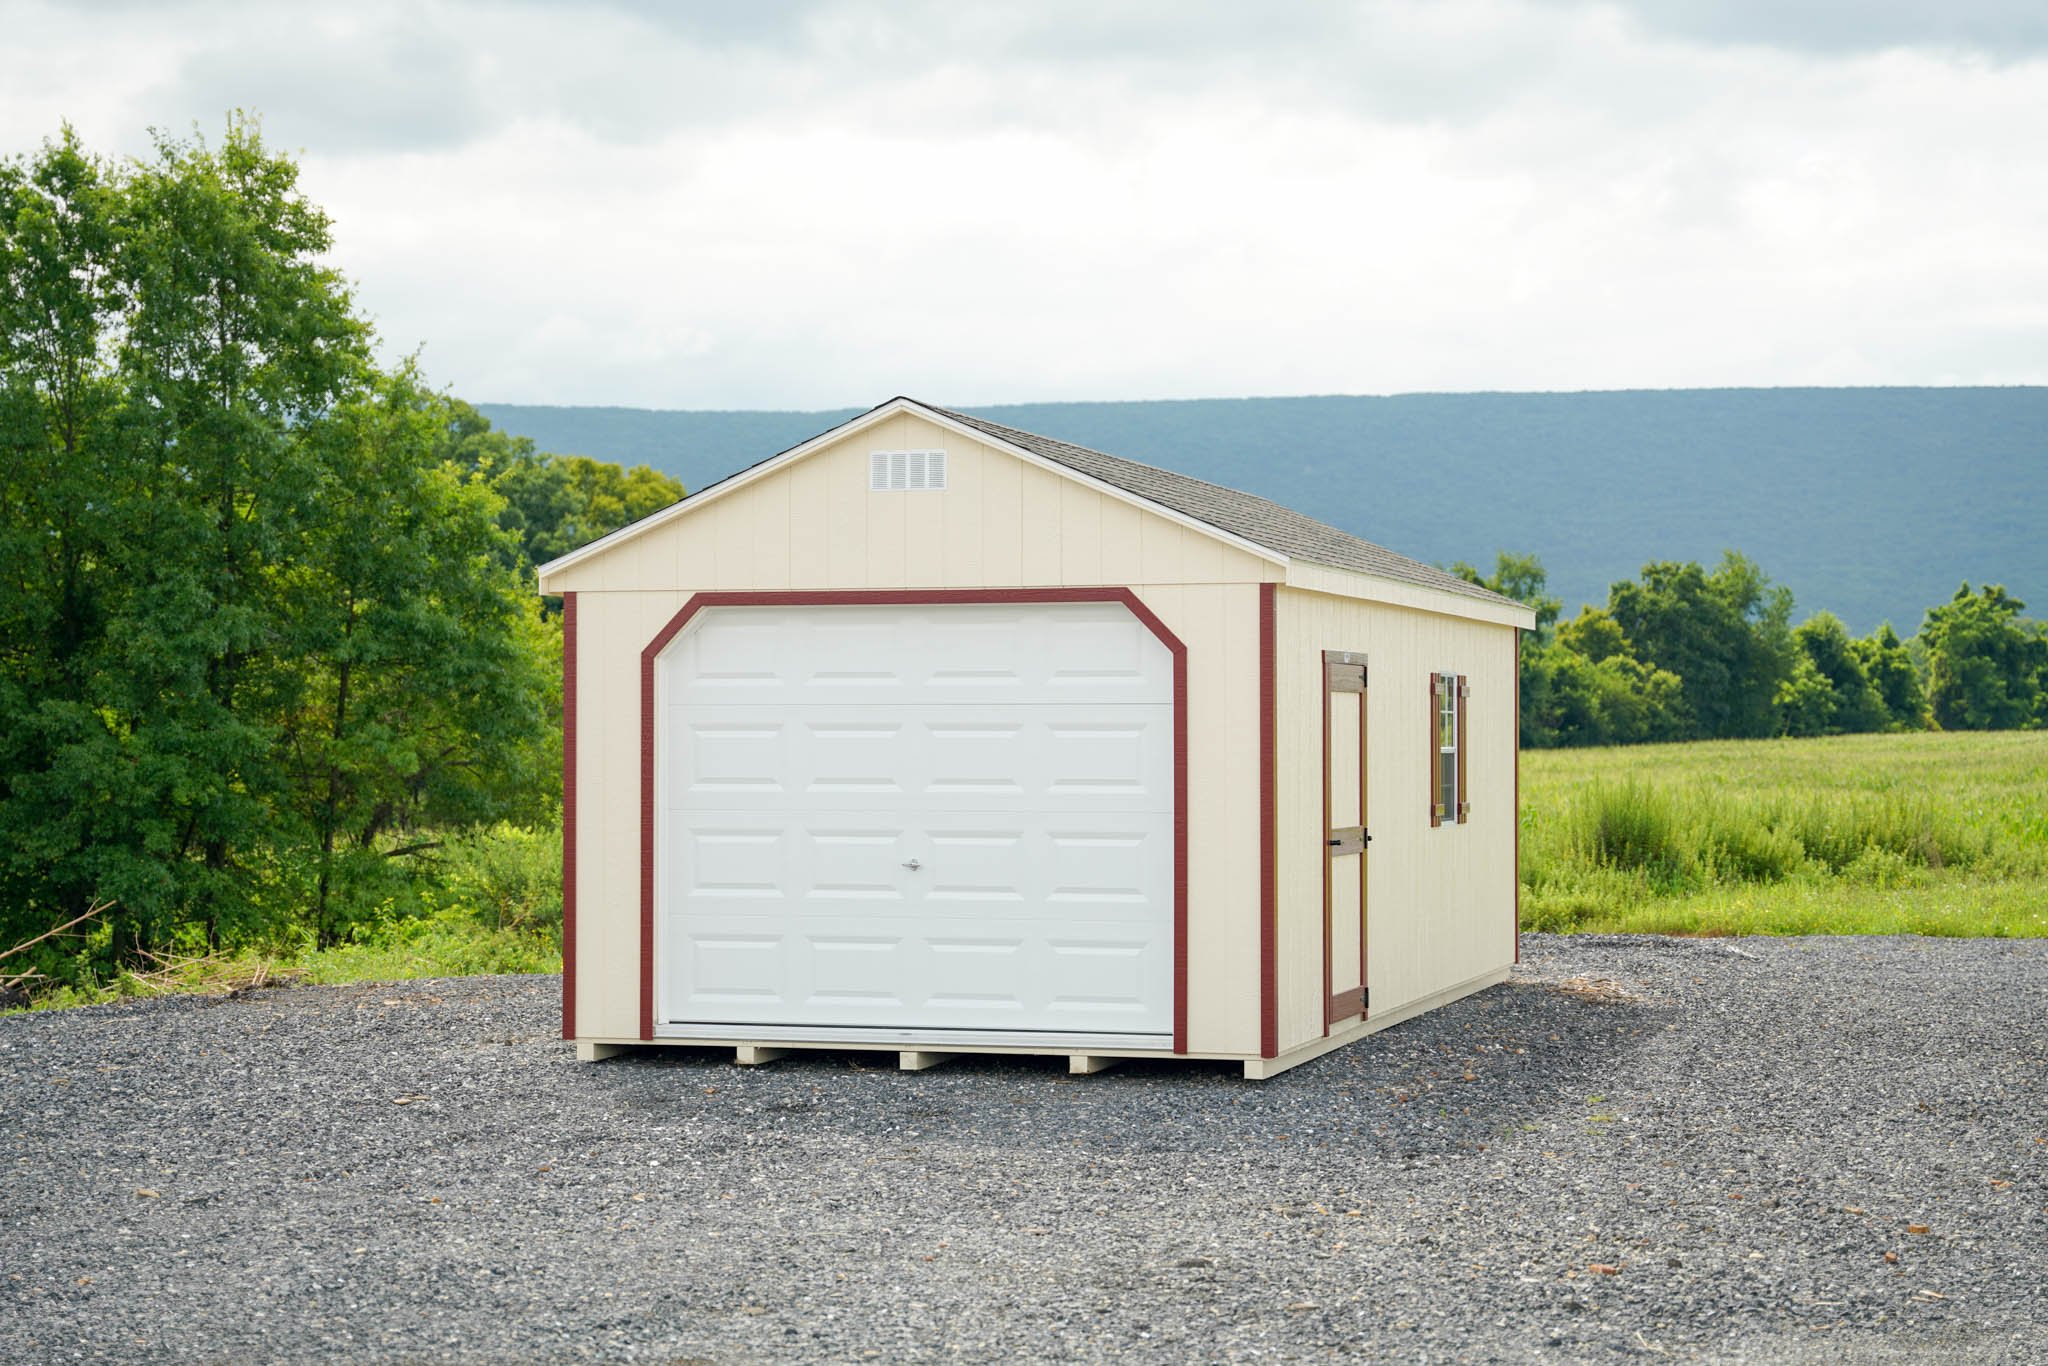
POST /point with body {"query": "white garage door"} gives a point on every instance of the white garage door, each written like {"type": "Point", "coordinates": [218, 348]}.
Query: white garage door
{"type": "Point", "coordinates": [917, 818]}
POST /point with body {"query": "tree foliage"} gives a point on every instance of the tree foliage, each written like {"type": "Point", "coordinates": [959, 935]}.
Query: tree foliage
{"type": "Point", "coordinates": [1987, 667]}
{"type": "Point", "coordinates": [1617, 674]}
{"type": "Point", "coordinates": [257, 631]}
{"type": "Point", "coordinates": [553, 503]}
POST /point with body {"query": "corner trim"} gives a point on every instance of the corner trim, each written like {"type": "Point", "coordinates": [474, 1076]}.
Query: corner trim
{"type": "Point", "coordinates": [1269, 816]}
{"type": "Point", "coordinates": [568, 815]}
{"type": "Point", "coordinates": [1515, 812]}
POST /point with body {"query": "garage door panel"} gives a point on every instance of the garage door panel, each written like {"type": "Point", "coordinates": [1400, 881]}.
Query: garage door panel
{"type": "Point", "coordinates": [1064, 652]}
{"type": "Point", "coordinates": [901, 757]}
{"type": "Point", "coordinates": [1041, 976]}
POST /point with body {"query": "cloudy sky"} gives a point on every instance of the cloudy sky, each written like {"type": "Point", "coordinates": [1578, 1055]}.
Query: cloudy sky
{"type": "Point", "coordinates": [812, 203]}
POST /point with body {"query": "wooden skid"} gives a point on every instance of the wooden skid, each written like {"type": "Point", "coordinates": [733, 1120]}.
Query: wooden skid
{"type": "Point", "coordinates": [1078, 1064]}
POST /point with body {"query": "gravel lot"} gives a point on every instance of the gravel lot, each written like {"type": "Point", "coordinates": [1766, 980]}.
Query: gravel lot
{"type": "Point", "coordinates": [1742, 1129]}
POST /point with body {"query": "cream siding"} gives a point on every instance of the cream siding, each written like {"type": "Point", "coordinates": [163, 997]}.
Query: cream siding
{"type": "Point", "coordinates": [999, 523]}
{"type": "Point", "coordinates": [1440, 901]}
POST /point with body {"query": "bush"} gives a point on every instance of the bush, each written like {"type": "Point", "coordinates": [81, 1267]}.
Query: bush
{"type": "Point", "coordinates": [507, 876]}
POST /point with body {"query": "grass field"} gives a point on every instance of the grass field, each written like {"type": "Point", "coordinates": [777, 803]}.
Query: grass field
{"type": "Point", "coordinates": [1943, 834]}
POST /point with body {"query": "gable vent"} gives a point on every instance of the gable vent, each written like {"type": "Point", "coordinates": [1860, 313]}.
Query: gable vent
{"type": "Point", "coordinates": [889, 471]}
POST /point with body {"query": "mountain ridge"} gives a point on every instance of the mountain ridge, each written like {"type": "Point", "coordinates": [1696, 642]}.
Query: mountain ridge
{"type": "Point", "coordinates": [1874, 503]}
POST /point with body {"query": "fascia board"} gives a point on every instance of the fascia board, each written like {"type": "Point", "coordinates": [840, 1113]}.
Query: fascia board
{"type": "Point", "coordinates": [1349, 583]}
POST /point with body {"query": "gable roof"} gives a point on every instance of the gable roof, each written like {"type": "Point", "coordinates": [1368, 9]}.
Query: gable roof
{"type": "Point", "coordinates": [1258, 524]}
{"type": "Point", "coordinates": [1245, 515]}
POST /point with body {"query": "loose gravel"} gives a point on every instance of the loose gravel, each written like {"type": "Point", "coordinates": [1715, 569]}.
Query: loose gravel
{"type": "Point", "coordinates": [1754, 1150]}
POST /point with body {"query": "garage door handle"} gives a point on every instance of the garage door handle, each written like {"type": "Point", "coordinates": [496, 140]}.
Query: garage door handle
{"type": "Point", "coordinates": [913, 865]}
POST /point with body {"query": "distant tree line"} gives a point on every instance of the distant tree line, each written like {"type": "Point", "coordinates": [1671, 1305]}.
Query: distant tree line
{"type": "Point", "coordinates": [267, 620]}
{"type": "Point", "coordinates": [1681, 652]}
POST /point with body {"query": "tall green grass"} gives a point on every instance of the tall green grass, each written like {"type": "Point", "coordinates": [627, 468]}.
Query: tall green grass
{"type": "Point", "coordinates": [1935, 834]}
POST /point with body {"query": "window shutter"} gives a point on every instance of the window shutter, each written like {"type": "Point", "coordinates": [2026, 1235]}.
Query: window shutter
{"type": "Point", "coordinates": [1464, 691]}
{"type": "Point", "coordinates": [1436, 806]}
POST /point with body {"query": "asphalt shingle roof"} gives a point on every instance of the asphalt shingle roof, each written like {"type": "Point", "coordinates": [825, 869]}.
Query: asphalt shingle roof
{"type": "Point", "coordinates": [1255, 519]}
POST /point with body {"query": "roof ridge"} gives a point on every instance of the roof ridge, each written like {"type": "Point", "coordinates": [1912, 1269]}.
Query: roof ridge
{"type": "Point", "coordinates": [1219, 506]}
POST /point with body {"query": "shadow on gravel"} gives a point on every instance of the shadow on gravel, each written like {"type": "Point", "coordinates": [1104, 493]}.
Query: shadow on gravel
{"type": "Point", "coordinates": [1513, 1057]}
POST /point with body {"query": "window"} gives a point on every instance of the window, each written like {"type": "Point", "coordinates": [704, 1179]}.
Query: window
{"type": "Point", "coordinates": [1447, 796]}
{"type": "Point", "coordinates": [898, 471]}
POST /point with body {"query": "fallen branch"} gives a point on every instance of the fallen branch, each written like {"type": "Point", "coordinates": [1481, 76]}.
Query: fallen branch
{"type": "Point", "coordinates": [10, 983]}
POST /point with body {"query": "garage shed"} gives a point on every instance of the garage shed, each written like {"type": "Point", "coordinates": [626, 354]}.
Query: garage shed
{"type": "Point", "coordinates": [940, 737]}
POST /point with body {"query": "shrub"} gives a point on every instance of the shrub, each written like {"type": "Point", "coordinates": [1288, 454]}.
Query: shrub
{"type": "Point", "coordinates": [507, 876]}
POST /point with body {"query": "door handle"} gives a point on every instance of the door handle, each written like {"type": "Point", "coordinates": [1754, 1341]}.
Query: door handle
{"type": "Point", "coordinates": [913, 865]}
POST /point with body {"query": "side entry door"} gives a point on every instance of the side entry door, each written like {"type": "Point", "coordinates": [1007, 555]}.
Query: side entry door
{"type": "Point", "coordinates": [1345, 837]}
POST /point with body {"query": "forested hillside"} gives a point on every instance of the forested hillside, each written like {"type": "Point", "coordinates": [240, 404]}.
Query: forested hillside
{"type": "Point", "coordinates": [1871, 503]}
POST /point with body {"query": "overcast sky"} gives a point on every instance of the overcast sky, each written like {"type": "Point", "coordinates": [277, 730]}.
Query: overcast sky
{"type": "Point", "coordinates": [788, 203]}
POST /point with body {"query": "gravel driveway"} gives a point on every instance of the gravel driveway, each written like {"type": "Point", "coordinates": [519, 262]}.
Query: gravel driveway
{"type": "Point", "coordinates": [1673, 1149]}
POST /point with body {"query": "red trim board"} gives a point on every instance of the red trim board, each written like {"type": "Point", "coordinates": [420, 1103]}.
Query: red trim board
{"type": "Point", "coordinates": [871, 597]}
{"type": "Point", "coordinates": [1269, 815]}
{"type": "Point", "coordinates": [1515, 728]}
{"type": "Point", "coordinates": [568, 815]}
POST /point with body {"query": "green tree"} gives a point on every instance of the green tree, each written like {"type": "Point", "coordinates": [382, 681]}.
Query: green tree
{"type": "Point", "coordinates": [552, 503]}
{"type": "Point", "coordinates": [1522, 577]}
{"type": "Point", "coordinates": [1595, 635]}
{"type": "Point", "coordinates": [1888, 664]}
{"type": "Point", "coordinates": [219, 523]}
{"type": "Point", "coordinates": [1727, 634]}
{"type": "Point", "coordinates": [1614, 700]}
{"type": "Point", "coordinates": [415, 689]}
{"type": "Point", "coordinates": [1829, 691]}
{"type": "Point", "coordinates": [1987, 667]}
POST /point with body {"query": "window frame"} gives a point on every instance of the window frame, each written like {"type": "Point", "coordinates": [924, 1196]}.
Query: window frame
{"type": "Point", "coordinates": [1449, 801]}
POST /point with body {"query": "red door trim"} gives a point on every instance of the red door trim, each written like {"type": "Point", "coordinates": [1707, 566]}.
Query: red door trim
{"type": "Point", "coordinates": [568, 815]}
{"type": "Point", "coordinates": [1515, 729]}
{"type": "Point", "coordinates": [1269, 816]}
{"type": "Point", "coordinates": [1329, 863]}
{"type": "Point", "coordinates": [886, 597]}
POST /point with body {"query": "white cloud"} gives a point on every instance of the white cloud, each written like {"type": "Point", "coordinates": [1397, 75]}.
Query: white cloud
{"type": "Point", "coordinates": [821, 204]}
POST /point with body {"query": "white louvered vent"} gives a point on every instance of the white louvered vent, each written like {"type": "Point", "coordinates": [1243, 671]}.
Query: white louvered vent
{"type": "Point", "coordinates": [891, 471]}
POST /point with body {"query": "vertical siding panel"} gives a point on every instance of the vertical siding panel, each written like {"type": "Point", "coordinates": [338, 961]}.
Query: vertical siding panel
{"type": "Point", "coordinates": [962, 506]}
{"type": "Point", "coordinates": [1119, 541]}
{"type": "Point", "coordinates": [1237, 890]}
{"type": "Point", "coordinates": [609, 633]}
{"type": "Point", "coordinates": [1039, 504]}
{"type": "Point", "coordinates": [810, 519]}
{"type": "Point", "coordinates": [732, 537]}
{"type": "Point", "coordinates": [771, 547]}
{"type": "Point", "coordinates": [924, 522]}
{"type": "Point", "coordinates": [1080, 533]}
{"type": "Point", "coordinates": [1002, 517]}
{"type": "Point", "coordinates": [885, 517]}
{"type": "Point", "coordinates": [1159, 557]}
{"type": "Point", "coordinates": [689, 553]}
{"type": "Point", "coordinates": [845, 472]}
{"type": "Point", "coordinates": [1202, 557]}
{"type": "Point", "coordinates": [1219, 625]}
